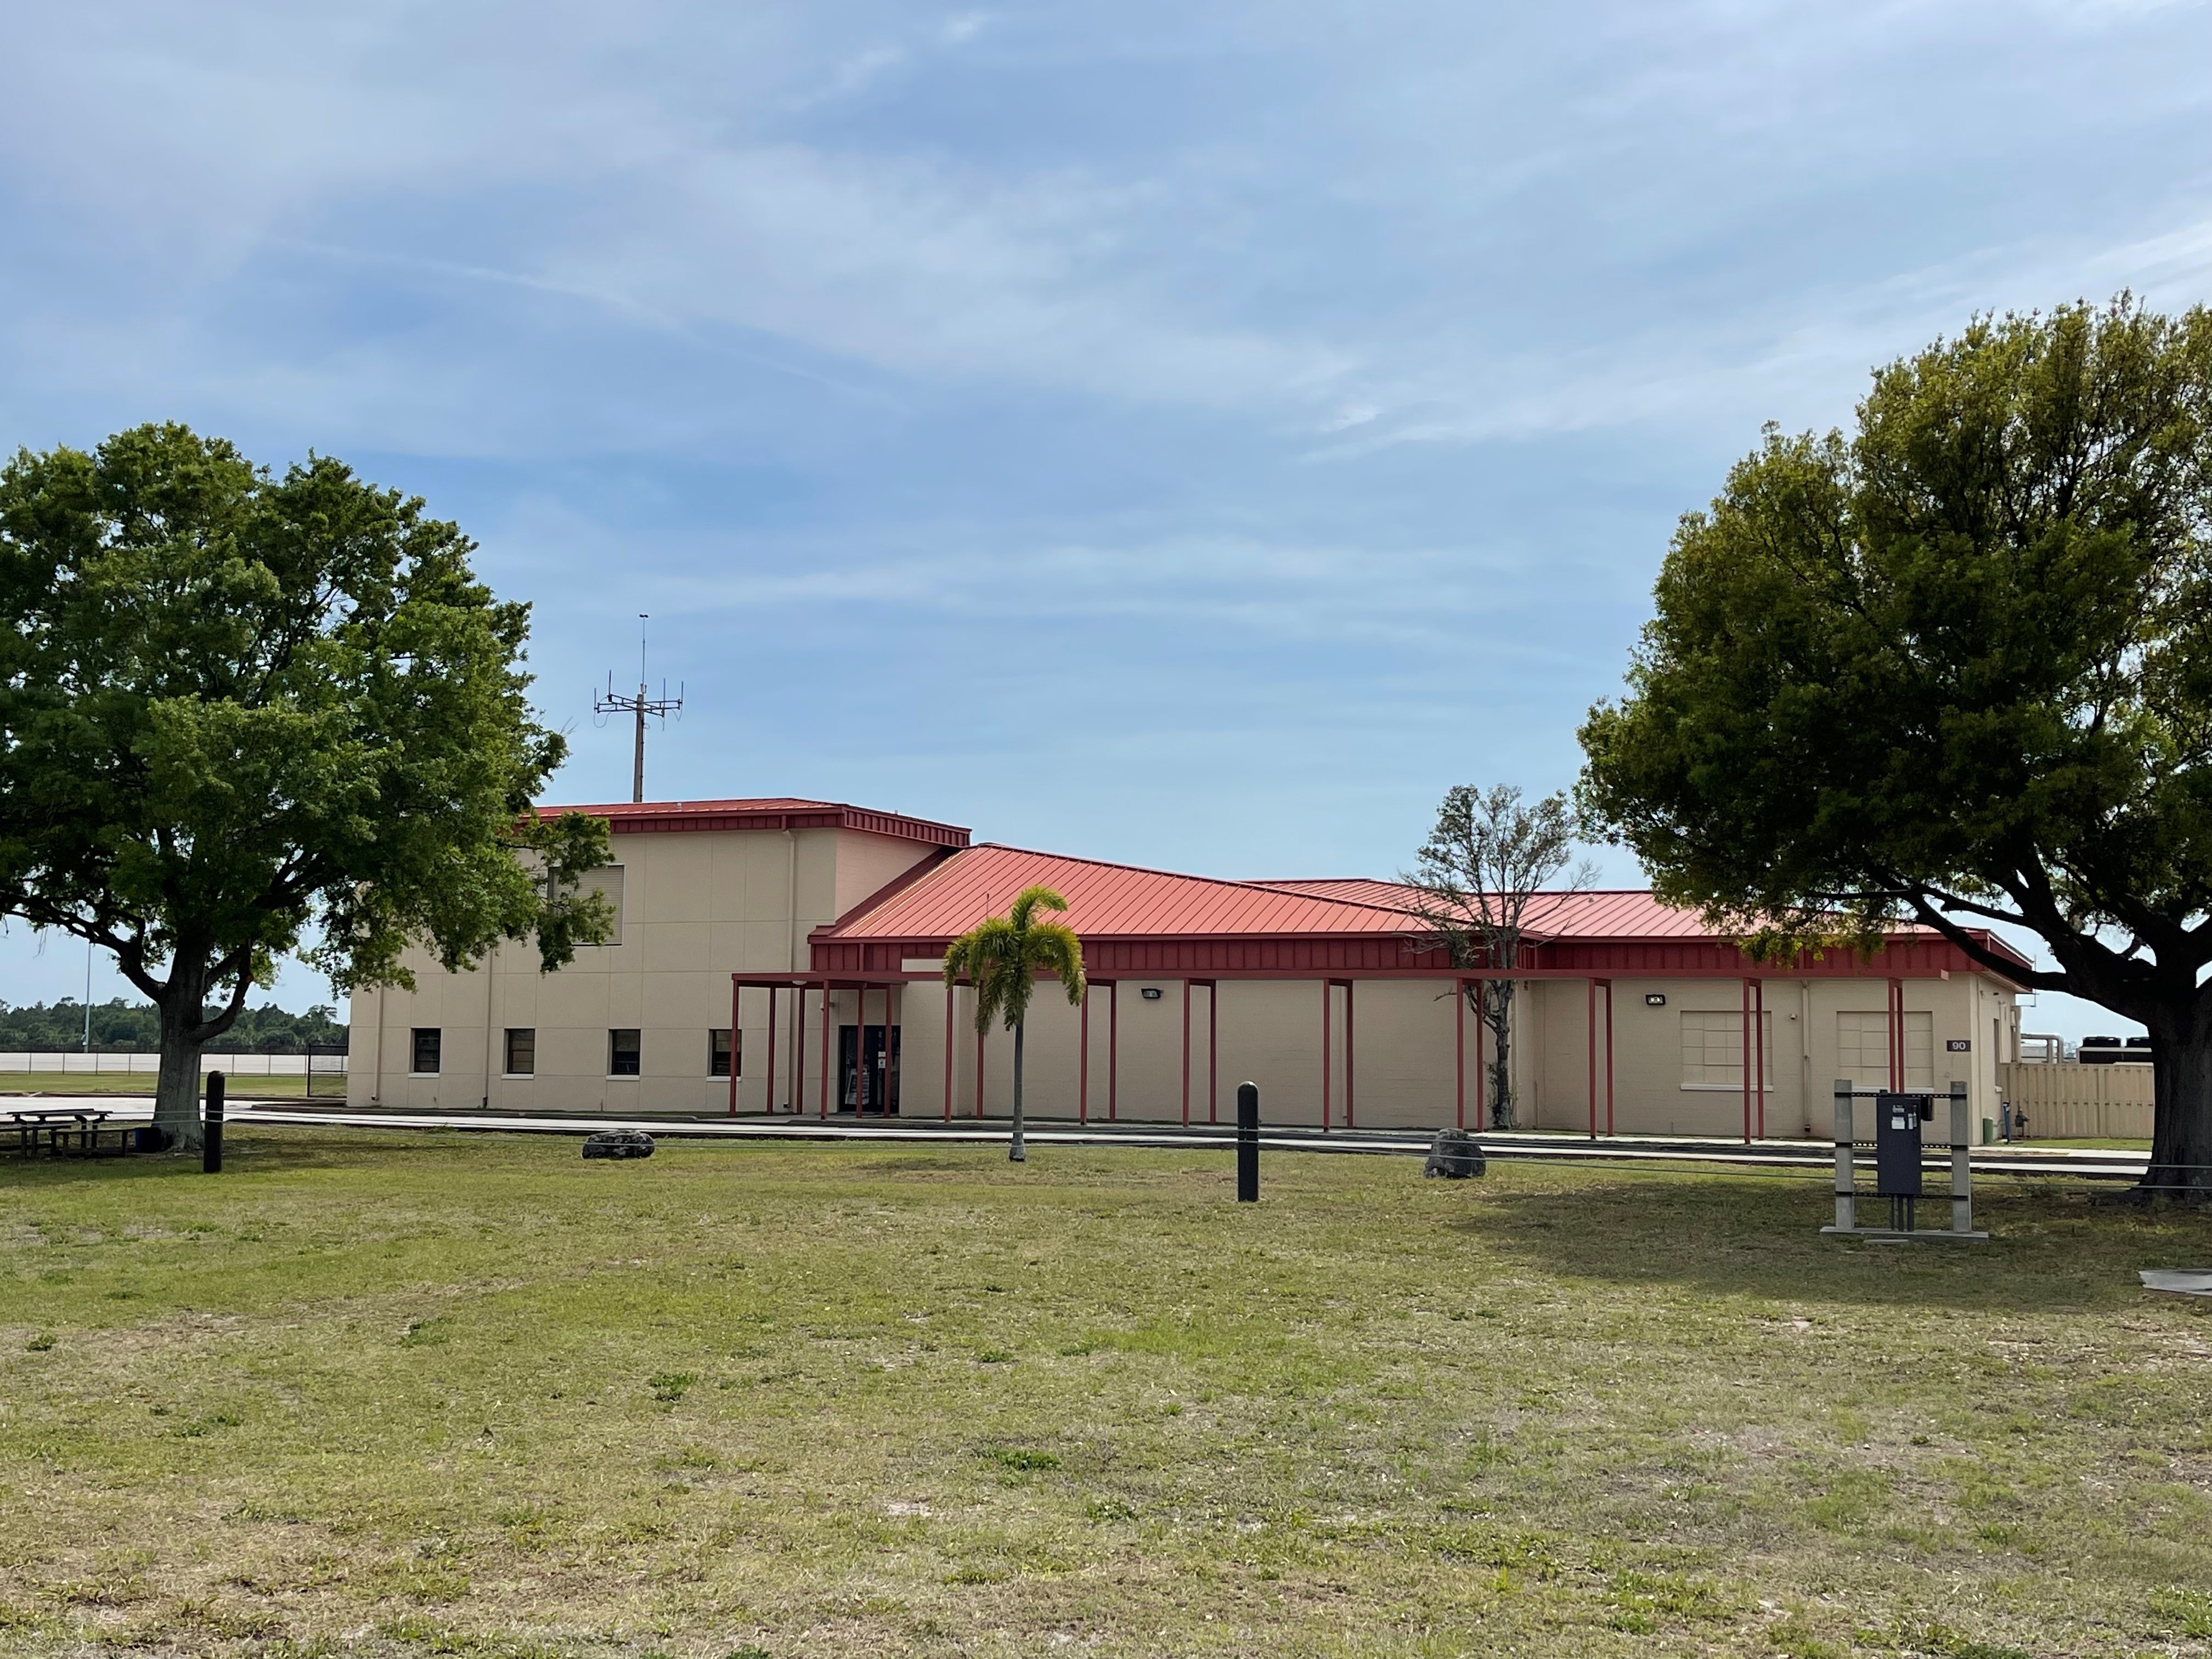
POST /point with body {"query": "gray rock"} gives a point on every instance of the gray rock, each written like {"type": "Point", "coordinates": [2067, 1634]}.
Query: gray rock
{"type": "Point", "coordinates": [1454, 1155]}
{"type": "Point", "coordinates": [618, 1143]}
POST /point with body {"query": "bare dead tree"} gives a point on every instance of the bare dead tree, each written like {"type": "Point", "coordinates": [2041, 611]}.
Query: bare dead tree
{"type": "Point", "coordinates": [1487, 863]}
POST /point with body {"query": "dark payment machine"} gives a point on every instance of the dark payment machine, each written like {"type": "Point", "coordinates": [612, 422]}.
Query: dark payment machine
{"type": "Point", "coordinates": [1897, 1152]}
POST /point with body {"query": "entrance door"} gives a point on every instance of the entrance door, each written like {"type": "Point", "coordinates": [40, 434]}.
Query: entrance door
{"type": "Point", "coordinates": [873, 1087]}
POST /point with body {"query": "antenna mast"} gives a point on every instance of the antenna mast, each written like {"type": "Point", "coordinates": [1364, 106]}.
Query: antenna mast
{"type": "Point", "coordinates": [615, 702]}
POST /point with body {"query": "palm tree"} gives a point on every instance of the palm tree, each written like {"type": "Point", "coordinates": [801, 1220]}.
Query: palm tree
{"type": "Point", "coordinates": [1002, 958]}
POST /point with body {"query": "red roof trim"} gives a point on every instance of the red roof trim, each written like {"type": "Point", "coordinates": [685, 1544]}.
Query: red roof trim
{"type": "Point", "coordinates": [771, 814]}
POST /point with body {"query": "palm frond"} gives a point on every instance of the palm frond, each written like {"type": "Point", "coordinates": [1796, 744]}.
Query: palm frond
{"type": "Point", "coordinates": [1002, 957]}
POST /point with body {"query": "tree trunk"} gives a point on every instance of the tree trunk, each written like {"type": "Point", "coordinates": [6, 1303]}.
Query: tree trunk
{"type": "Point", "coordinates": [1499, 1016]}
{"type": "Point", "coordinates": [177, 1090]}
{"type": "Point", "coordinates": [1016, 1153]}
{"type": "Point", "coordinates": [2181, 1130]}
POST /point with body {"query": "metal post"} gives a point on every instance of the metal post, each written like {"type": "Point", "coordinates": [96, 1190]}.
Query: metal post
{"type": "Point", "coordinates": [825, 1051]}
{"type": "Point", "coordinates": [979, 1064]}
{"type": "Point", "coordinates": [1846, 1187]}
{"type": "Point", "coordinates": [951, 996]}
{"type": "Point", "coordinates": [1962, 1177]}
{"type": "Point", "coordinates": [1083, 1060]}
{"type": "Point", "coordinates": [211, 1127]}
{"type": "Point", "coordinates": [1248, 1143]}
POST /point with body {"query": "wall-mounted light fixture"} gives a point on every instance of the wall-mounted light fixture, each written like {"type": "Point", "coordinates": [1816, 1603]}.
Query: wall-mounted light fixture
{"type": "Point", "coordinates": [1151, 994]}
{"type": "Point", "coordinates": [1655, 998]}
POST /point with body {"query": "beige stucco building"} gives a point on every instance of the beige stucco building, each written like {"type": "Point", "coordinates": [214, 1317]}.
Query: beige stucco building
{"type": "Point", "coordinates": [1630, 1017]}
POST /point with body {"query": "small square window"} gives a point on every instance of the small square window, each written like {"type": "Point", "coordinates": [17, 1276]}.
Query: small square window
{"type": "Point", "coordinates": [720, 1053]}
{"type": "Point", "coordinates": [521, 1051]}
{"type": "Point", "coordinates": [429, 1043]}
{"type": "Point", "coordinates": [623, 1052]}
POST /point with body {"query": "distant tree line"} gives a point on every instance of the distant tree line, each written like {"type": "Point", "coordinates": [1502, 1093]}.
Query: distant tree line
{"type": "Point", "coordinates": [124, 1025]}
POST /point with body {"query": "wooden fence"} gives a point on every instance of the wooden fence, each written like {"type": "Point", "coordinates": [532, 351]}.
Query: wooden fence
{"type": "Point", "coordinates": [2080, 1102]}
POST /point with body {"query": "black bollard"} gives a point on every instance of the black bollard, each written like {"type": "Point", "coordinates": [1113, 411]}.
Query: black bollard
{"type": "Point", "coordinates": [1248, 1143]}
{"type": "Point", "coordinates": [211, 1127]}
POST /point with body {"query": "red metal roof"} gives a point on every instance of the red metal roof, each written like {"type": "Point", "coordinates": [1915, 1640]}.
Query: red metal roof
{"type": "Point", "coordinates": [1619, 912]}
{"type": "Point", "coordinates": [1602, 915]}
{"type": "Point", "coordinates": [1135, 921]}
{"type": "Point", "coordinates": [770, 813]}
{"type": "Point", "coordinates": [1105, 901]}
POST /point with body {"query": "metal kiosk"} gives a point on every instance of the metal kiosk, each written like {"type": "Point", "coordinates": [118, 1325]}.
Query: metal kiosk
{"type": "Point", "coordinates": [1899, 1147]}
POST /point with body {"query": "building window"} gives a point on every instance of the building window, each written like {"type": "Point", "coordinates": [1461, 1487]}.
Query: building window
{"type": "Point", "coordinates": [1862, 1049]}
{"type": "Point", "coordinates": [429, 1043]}
{"type": "Point", "coordinates": [1713, 1049]}
{"type": "Point", "coordinates": [622, 1051]}
{"type": "Point", "coordinates": [521, 1052]}
{"type": "Point", "coordinates": [721, 1052]}
{"type": "Point", "coordinates": [607, 882]}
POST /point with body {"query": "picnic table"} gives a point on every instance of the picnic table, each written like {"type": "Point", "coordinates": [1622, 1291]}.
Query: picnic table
{"type": "Point", "coordinates": [57, 1123]}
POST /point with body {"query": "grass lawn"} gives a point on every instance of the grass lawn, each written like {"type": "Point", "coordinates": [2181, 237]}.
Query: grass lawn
{"type": "Point", "coordinates": [142, 1083]}
{"type": "Point", "coordinates": [378, 1393]}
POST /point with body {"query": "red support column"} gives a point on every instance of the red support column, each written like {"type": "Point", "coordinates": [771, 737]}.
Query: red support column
{"type": "Point", "coordinates": [1897, 1037]}
{"type": "Point", "coordinates": [1758, 1046]}
{"type": "Point", "coordinates": [799, 1052]}
{"type": "Point", "coordinates": [1113, 1048]}
{"type": "Point", "coordinates": [1083, 1060]}
{"type": "Point", "coordinates": [1214, 1051]}
{"type": "Point", "coordinates": [825, 1051]}
{"type": "Point", "coordinates": [733, 1046]}
{"type": "Point", "coordinates": [1325, 987]}
{"type": "Point", "coordinates": [1481, 1073]}
{"type": "Point", "coordinates": [768, 1085]}
{"type": "Point", "coordinates": [1608, 1057]}
{"type": "Point", "coordinates": [950, 997]}
{"type": "Point", "coordinates": [1350, 1072]}
{"type": "Point", "coordinates": [1186, 1054]}
{"type": "Point", "coordinates": [1458, 1054]}
{"type": "Point", "coordinates": [1743, 1001]}
{"type": "Point", "coordinates": [1589, 1030]}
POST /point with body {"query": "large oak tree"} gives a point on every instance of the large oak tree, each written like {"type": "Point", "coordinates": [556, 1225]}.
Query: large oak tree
{"type": "Point", "coordinates": [1956, 668]}
{"type": "Point", "coordinates": [240, 712]}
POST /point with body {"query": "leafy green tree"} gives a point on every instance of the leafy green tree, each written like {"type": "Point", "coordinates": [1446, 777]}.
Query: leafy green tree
{"type": "Point", "coordinates": [1490, 858]}
{"type": "Point", "coordinates": [1002, 958]}
{"type": "Point", "coordinates": [241, 711]}
{"type": "Point", "coordinates": [1956, 669]}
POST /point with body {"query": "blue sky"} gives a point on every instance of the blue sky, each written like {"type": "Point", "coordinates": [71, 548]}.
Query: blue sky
{"type": "Point", "coordinates": [1197, 436]}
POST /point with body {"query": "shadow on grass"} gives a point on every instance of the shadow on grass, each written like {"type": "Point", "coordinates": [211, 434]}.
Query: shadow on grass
{"type": "Point", "coordinates": [2052, 1248]}
{"type": "Point", "coordinates": [245, 1153]}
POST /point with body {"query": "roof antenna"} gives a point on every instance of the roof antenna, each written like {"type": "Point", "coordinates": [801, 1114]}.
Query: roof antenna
{"type": "Point", "coordinates": [615, 702]}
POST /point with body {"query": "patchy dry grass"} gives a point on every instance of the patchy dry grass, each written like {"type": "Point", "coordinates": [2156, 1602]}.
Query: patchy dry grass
{"type": "Point", "coordinates": [380, 1395]}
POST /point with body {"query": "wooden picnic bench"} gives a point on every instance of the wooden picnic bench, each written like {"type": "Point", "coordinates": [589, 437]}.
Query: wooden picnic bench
{"type": "Point", "coordinates": [60, 1124]}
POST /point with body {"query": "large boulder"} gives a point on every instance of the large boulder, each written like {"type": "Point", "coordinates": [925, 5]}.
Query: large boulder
{"type": "Point", "coordinates": [618, 1143]}
{"type": "Point", "coordinates": [1454, 1155]}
